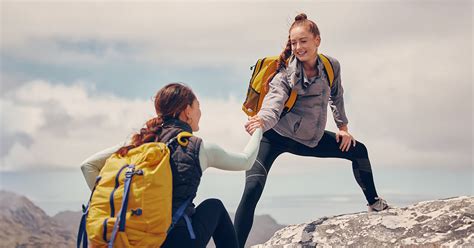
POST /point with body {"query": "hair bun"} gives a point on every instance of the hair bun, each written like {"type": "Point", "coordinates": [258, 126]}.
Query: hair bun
{"type": "Point", "coordinates": [301, 17]}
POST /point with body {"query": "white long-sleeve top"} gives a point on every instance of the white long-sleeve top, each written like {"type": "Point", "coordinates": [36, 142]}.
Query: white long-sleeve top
{"type": "Point", "coordinates": [210, 155]}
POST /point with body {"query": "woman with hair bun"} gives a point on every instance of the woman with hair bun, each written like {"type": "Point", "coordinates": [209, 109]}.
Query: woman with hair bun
{"type": "Point", "coordinates": [301, 131]}
{"type": "Point", "coordinates": [178, 110]}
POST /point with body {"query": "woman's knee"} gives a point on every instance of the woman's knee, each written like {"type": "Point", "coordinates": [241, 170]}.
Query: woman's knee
{"type": "Point", "coordinates": [214, 202]}
{"type": "Point", "coordinates": [360, 150]}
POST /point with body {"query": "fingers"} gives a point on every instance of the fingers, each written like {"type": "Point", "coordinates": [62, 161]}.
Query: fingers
{"type": "Point", "coordinates": [343, 142]}
{"type": "Point", "coordinates": [346, 143]}
{"type": "Point", "coordinates": [252, 125]}
{"type": "Point", "coordinates": [246, 126]}
{"type": "Point", "coordinates": [253, 121]}
{"type": "Point", "coordinates": [249, 130]}
{"type": "Point", "coordinates": [252, 129]}
{"type": "Point", "coordinates": [254, 118]}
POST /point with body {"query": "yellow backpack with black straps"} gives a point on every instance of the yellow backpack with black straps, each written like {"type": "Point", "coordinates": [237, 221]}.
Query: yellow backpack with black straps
{"type": "Point", "coordinates": [131, 203]}
{"type": "Point", "coordinates": [265, 68]}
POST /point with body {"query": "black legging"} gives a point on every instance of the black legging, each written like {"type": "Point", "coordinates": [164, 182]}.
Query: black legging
{"type": "Point", "coordinates": [271, 146]}
{"type": "Point", "coordinates": [210, 220]}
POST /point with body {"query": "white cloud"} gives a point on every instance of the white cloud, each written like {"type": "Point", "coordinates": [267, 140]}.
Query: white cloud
{"type": "Point", "coordinates": [30, 120]}
{"type": "Point", "coordinates": [185, 33]}
{"type": "Point", "coordinates": [188, 31]}
{"type": "Point", "coordinates": [66, 124]}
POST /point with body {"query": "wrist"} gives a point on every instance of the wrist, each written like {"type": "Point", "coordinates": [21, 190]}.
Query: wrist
{"type": "Point", "coordinates": [260, 121]}
{"type": "Point", "coordinates": [343, 128]}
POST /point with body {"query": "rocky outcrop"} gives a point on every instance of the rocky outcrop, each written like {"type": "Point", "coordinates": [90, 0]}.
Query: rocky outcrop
{"type": "Point", "coordinates": [446, 222]}
{"type": "Point", "coordinates": [23, 224]}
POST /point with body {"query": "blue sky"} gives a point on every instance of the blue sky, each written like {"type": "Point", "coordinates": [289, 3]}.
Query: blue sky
{"type": "Point", "coordinates": [130, 79]}
{"type": "Point", "coordinates": [77, 77]}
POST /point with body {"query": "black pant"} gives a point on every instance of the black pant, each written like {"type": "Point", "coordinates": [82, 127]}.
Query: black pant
{"type": "Point", "coordinates": [210, 220]}
{"type": "Point", "coordinates": [271, 146]}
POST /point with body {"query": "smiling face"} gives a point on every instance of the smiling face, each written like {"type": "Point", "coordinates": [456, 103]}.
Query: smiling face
{"type": "Point", "coordinates": [304, 44]}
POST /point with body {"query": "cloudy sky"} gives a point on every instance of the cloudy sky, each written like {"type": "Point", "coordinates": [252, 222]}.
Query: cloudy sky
{"type": "Point", "coordinates": [79, 77]}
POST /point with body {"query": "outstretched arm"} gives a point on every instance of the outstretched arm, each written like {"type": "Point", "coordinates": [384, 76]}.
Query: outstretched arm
{"type": "Point", "coordinates": [211, 155]}
{"type": "Point", "coordinates": [274, 101]}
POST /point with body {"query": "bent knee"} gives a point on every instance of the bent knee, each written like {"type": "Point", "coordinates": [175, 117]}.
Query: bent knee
{"type": "Point", "coordinates": [214, 202]}
{"type": "Point", "coordinates": [360, 149]}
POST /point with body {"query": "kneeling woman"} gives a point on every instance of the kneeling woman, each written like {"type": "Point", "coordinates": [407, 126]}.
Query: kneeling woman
{"type": "Point", "coordinates": [178, 110]}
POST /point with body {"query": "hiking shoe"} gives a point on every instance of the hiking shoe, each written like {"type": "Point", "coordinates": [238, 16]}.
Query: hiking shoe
{"type": "Point", "coordinates": [378, 206]}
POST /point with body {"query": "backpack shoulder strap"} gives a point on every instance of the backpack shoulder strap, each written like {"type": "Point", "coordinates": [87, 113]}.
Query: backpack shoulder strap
{"type": "Point", "coordinates": [328, 68]}
{"type": "Point", "coordinates": [291, 100]}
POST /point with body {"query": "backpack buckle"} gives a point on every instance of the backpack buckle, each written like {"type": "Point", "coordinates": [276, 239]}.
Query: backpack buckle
{"type": "Point", "coordinates": [130, 171]}
{"type": "Point", "coordinates": [137, 212]}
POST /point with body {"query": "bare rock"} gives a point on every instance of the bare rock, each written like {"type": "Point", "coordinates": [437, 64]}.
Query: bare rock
{"type": "Point", "coordinates": [446, 222]}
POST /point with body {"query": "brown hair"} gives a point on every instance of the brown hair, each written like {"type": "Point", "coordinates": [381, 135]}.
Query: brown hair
{"type": "Point", "coordinates": [300, 20]}
{"type": "Point", "coordinates": [170, 101]}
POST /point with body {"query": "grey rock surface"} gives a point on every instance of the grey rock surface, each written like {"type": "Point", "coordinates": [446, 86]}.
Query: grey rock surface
{"type": "Point", "coordinates": [438, 223]}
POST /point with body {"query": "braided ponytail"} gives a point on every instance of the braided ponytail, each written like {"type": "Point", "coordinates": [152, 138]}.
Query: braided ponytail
{"type": "Point", "coordinates": [149, 133]}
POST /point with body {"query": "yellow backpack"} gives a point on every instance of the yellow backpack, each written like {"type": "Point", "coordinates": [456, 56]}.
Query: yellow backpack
{"type": "Point", "coordinates": [131, 203]}
{"type": "Point", "coordinates": [265, 68]}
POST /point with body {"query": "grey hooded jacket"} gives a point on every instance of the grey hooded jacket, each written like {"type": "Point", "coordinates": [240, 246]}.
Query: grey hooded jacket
{"type": "Point", "coordinates": [306, 122]}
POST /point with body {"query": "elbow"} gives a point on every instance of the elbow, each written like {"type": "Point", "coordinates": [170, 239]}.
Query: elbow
{"type": "Point", "coordinates": [88, 169]}
{"type": "Point", "coordinates": [248, 166]}
{"type": "Point", "coordinates": [84, 171]}
{"type": "Point", "coordinates": [84, 168]}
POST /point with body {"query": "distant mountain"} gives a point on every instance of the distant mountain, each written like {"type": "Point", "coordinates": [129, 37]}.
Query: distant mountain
{"type": "Point", "coordinates": [264, 226]}
{"type": "Point", "coordinates": [23, 224]}
{"type": "Point", "coordinates": [438, 223]}
{"type": "Point", "coordinates": [69, 220]}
